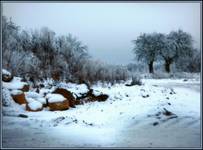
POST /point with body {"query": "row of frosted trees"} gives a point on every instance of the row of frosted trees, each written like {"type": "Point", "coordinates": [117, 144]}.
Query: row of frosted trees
{"type": "Point", "coordinates": [40, 54]}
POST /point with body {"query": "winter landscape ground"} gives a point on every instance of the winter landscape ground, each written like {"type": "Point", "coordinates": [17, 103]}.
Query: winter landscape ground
{"type": "Point", "coordinates": [159, 113]}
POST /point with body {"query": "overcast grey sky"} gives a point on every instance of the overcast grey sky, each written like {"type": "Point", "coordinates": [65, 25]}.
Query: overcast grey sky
{"type": "Point", "coordinates": [108, 28]}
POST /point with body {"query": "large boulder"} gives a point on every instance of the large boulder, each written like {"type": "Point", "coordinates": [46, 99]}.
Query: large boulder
{"type": "Point", "coordinates": [18, 96]}
{"type": "Point", "coordinates": [33, 105]}
{"type": "Point", "coordinates": [59, 105]}
{"type": "Point", "coordinates": [36, 97]}
{"type": "Point", "coordinates": [68, 95]}
{"type": "Point", "coordinates": [6, 76]}
{"type": "Point", "coordinates": [57, 102]}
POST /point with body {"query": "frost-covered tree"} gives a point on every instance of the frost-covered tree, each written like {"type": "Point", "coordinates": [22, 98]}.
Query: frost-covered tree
{"type": "Point", "coordinates": [147, 48]}
{"type": "Point", "coordinates": [25, 40]}
{"type": "Point", "coordinates": [43, 45]}
{"type": "Point", "coordinates": [74, 52]}
{"type": "Point", "coordinates": [190, 63]}
{"type": "Point", "coordinates": [39, 54]}
{"type": "Point", "coordinates": [9, 41]}
{"type": "Point", "coordinates": [177, 44]}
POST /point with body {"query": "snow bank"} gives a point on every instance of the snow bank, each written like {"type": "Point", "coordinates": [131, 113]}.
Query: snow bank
{"type": "Point", "coordinates": [127, 107]}
{"type": "Point", "coordinates": [53, 98]}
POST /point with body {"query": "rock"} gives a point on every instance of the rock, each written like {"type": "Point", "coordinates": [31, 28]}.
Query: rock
{"type": "Point", "coordinates": [102, 97]}
{"type": "Point", "coordinates": [167, 113]}
{"type": "Point", "coordinates": [41, 85]}
{"type": "Point", "coordinates": [78, 102]}
{"type": "Point", "coordinates": [145, 96]}
{"type": "Point", "coordinates": [6, 76]}
{"type": "Point", "coordinates": [34, 96]}
{"type": "Point", "coordinates": [57, 101]}
{"type": "Point", "coordinates": [59, 105]}
{"type": "Point", "coordinates": [91, 96]}
{"type": "Point", "coordinates": [25, 88]}
{"type": "Point", "coordinates": [185, 80]}
{"type": "Point", "coordinates": [172, 92]}
{"type": "Point", "coordinates": [68, 95]}
{"type": "Point", "coordinates": [37, 90]}
{"type": "Point", "coordinates": [34, 106]}
{"type": "Point", "coordinates": [18, 96]}
{"type": "Point", "coordinates": [23, 116]}
{"type": "Point", "coordinates": [155, 123]}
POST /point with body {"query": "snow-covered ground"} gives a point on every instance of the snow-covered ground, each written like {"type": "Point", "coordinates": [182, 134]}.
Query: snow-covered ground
{"type": "Point", "coordinates": [133, 116]}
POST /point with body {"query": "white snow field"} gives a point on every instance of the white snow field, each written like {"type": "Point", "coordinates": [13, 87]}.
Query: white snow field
{"type": "Point", "coordinates": [132, 116]}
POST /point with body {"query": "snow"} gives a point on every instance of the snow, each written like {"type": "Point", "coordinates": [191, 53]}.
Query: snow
{"type": "Point", "coordinates": [15, 84]}
{"type": "Point", "coordinates": [32, 94]}
{"type": "Point", "coordinates": [30, 100]}
{"type": "Point", "coordinates": [96, 92]}
{"type": "Point", "coordinates": [34, 105]}
{"type": "Point", "coordinates": [41, 100]}
{"type": "Point", "coordinates": [53, 98]}
{"type": "Point", "coordinates": [16, 92]}
{"type": "Point", "coordinates": [4, 71]}
{"type": "Point", "coordinates": [36, 96]}
{"type": "Point", "coordinates": [44, 91]}
{"type": "Point", "coordinates": [6, 97]}
{"type": "Point", "coordinates": [125, 119]}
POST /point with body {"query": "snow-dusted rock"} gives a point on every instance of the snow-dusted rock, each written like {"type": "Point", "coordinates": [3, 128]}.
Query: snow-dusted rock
{"type": "Point", "coordinates": [36, 96]}
{"type": "Point", "coordinates": [25, 88]}
{"type": "Point", "coordinates": [57, 102]}
{"type": "Point", "coordinates": [42, 100]}
{"type": "Point", "coordinates": [6, 76]}
{"type": "Point", "coordinates": [52, 98]}
{"type": "Point", "coordinates": [59, 105]}
{"type": "Point", "coordinates": [34, 106]}
{"type": "Point", "coordinates": [77, 89]}
{"type": "Point", "coordinates": [18, 96]}
{"type": "Point", "coordinates": [67, 94]}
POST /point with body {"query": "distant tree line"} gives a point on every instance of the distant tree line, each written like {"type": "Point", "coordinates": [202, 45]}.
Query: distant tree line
{"type": "Point", "coordinates": [40, 54]}
{"type": "Point", "coordinates": [175, 47]}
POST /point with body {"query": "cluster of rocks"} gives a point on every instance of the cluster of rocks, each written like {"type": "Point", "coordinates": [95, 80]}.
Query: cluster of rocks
{"type": "Point", "coordinates": [57, 99]}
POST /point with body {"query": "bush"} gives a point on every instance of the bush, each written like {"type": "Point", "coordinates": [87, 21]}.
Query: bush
{"type": "Point", "coordinates": [135, 81]}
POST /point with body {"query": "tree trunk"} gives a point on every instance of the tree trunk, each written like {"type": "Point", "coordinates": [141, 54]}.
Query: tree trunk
{"type": "Point", "coordinates": [151, 69]}
{"type": "Point", "coordinates": [167, 66]}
